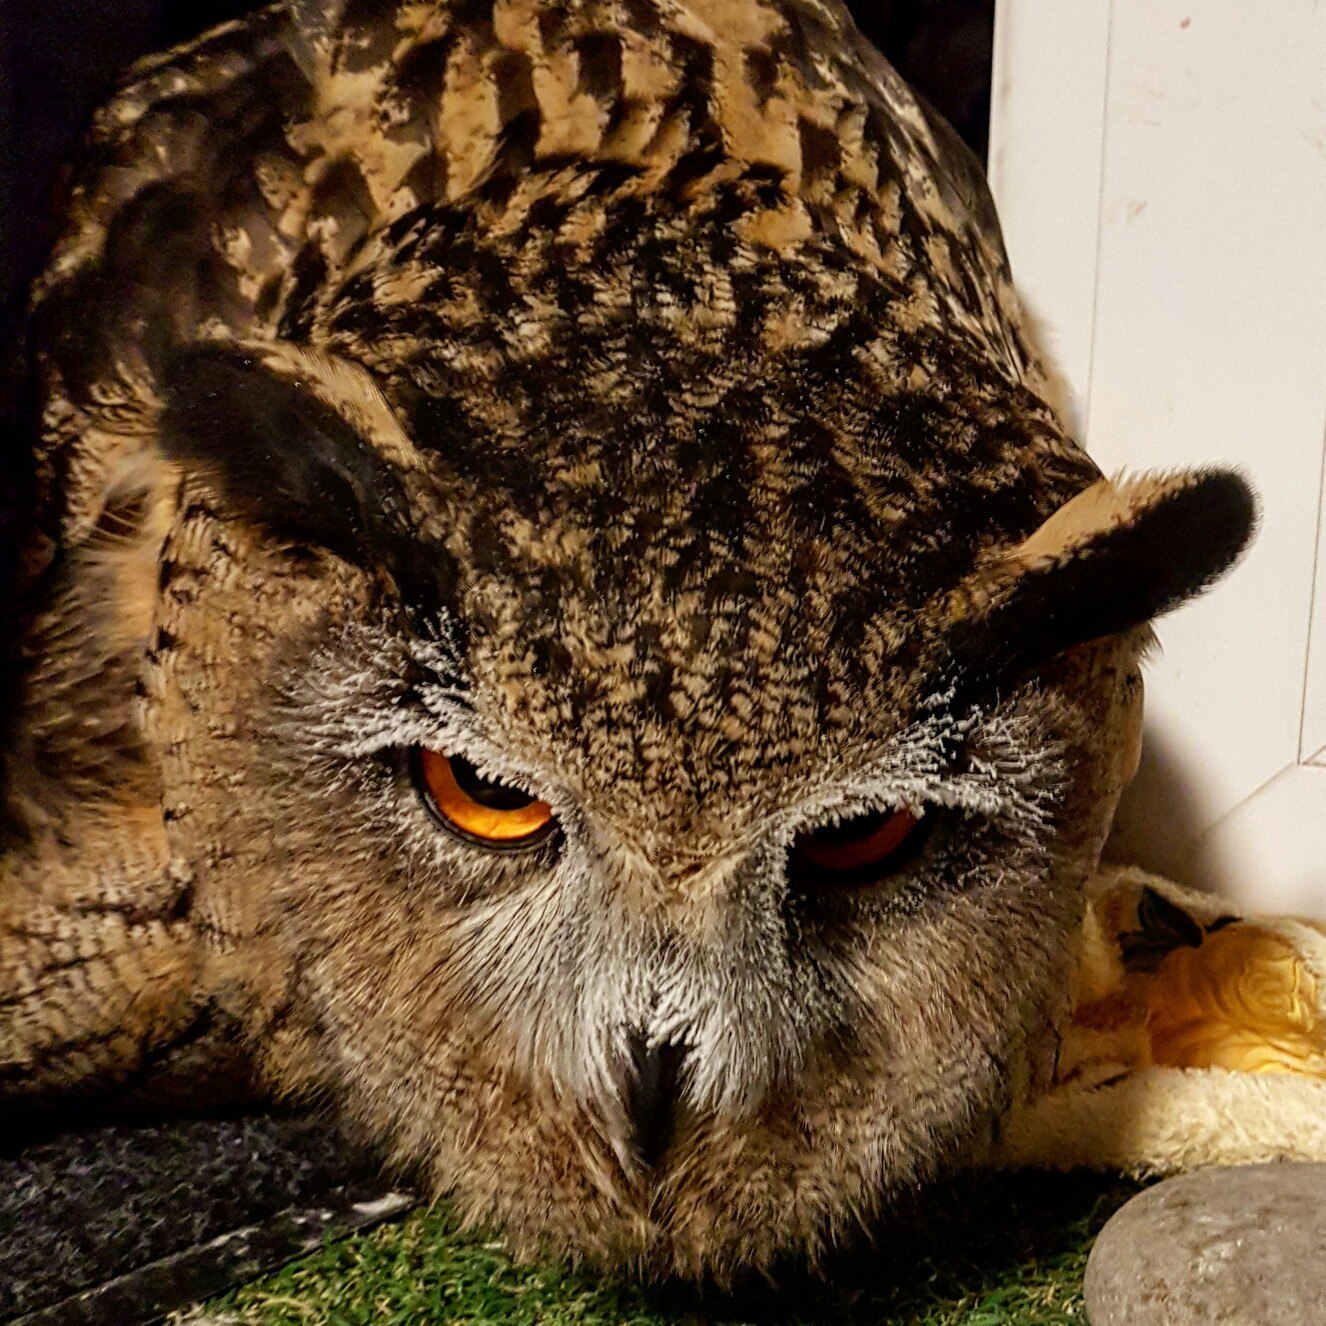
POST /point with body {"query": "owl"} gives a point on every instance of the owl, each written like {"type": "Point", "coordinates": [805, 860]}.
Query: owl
{"type": "Point", "coordinates": [560, 617]}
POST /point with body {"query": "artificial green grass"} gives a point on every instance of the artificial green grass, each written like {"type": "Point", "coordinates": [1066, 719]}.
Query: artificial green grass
{"type": "Point", "coordinates": [992, 1251]}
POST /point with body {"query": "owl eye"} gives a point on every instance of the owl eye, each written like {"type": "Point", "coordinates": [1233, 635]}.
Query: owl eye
{"type": "Point", "coordinates": [861, 844]}
{"type": "Point", "coordinates": [476, 808]}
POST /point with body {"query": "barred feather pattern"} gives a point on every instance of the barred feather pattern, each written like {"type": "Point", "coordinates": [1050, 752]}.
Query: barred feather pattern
{"type": "Point", "coordinates": [630, 397]}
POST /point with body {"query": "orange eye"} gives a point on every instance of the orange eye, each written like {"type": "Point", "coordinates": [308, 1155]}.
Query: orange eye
{"type": "Point", "coordinates": [478, 808]}
{"type": "Point", "coordinates": [856, 844]}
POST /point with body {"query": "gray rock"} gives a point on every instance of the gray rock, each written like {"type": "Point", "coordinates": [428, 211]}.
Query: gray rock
{"type": "Point", "coordinates": [1229, 1246]}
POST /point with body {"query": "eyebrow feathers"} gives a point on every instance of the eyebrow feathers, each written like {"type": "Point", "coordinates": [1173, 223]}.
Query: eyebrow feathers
{"type": "Point", "coordinates": [287, 459]}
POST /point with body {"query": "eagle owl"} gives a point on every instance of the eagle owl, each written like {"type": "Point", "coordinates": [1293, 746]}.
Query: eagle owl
{"type": "Point", "coordinates": [558, 615]}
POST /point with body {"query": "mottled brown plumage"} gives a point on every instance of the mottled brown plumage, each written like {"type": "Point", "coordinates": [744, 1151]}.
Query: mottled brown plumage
{"type": "Point", "coordinates": [630, 396]}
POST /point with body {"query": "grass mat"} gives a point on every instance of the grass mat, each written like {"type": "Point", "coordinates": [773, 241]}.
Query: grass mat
{"type": "Point", "coordinates": [991, 1251]}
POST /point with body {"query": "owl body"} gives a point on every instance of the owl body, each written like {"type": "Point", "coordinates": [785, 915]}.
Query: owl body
{"type": "Point", "coordinates": [622, 407]}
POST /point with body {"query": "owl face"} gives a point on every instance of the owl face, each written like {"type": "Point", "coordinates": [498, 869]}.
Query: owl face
{"type": "Point", "coordinates": [641, 1048]}
{"type": "Point", "coordinates": [618, 674]}
{"type": "Point", "coordinates": [687, 1052]}
{"type": "Point", "coordinates": [642, 835]}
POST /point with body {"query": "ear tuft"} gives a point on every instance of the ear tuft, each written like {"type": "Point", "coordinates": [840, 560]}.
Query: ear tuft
{"type": "Point", "coordinates": [1163, 537]}
{"type": "Point", "coordinates": [1118, 554]}
{"type": "Point", "coordinates": [302, 446]}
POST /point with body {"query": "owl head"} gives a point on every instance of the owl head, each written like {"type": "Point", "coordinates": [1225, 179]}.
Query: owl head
{"type": "Point", "coordinates": [609, 665]}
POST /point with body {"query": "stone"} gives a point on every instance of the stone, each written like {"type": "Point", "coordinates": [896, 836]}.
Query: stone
{"type": "Point", "coordinates": [1244, 1245]}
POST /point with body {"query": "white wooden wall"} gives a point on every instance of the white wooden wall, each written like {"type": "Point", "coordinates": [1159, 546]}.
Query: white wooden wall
{"type": "Point", "coordinates": [1160, 168]}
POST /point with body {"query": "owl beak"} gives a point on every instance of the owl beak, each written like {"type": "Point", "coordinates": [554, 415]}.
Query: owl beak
{"type": "Point", "coordinates": [651, 1097]}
